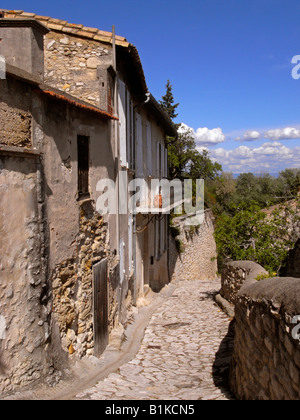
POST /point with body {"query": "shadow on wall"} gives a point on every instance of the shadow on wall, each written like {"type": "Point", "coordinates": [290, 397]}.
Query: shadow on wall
{"type": "Point", "coordinates": [193, 252]}
{"type": "Point", "coordinates": [174, 255]}
{"type": "Point", "coordinates": [291, 267]}
{"type": "Point", "coordinates": [3, 367]}
{"type": "Point", "coordinates": [221, 365]}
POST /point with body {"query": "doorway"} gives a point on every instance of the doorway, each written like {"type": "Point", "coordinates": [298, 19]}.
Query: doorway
{"type": "Point", "coordinates": [100, 297]}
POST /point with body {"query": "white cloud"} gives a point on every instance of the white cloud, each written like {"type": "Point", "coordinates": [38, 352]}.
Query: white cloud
{"type": "Point", "coordinates": [250, 135]}
{"type": "Point", "coordinates": [270, 156]}
{"type": "Point", "coordinates": [283, 133]}
{"type": "Point", "coordinates": [272, 134]}
{"type": "Point", "coordinates": [204, 136]}
{"type": "Point", "coordinates": [209, 137]}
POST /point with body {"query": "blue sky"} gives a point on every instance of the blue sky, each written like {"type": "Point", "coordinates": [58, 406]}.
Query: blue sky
{"type": "Point", "coordinates": [229, 62]}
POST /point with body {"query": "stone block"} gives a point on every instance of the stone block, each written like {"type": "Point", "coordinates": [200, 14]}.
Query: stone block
{"type": "Point", "coordinates": [93, 62]}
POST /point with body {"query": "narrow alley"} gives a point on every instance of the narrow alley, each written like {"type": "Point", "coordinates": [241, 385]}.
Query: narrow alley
{"type": "Point", "coordinates": [184, 354]}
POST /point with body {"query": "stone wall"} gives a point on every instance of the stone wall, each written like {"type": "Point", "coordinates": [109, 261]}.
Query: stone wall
{"type": "Point", "coordinates": [198, 259]}
{"type": "Point", "coordinates": [71, 65]}
{"type": "Point", "coordinates": [235, 274]}
{"type": "Point", "coordinates": [15, 118]}
{"type": "Point", "coordinates": [73, 284]}
{"type": "Point", "coordinates": [266, 357]}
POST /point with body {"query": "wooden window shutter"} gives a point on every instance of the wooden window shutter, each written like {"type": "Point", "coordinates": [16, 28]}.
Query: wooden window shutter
{"type": "Point", "coordinates": [122, 122]}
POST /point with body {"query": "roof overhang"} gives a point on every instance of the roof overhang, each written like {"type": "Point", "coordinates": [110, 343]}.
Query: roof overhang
{"type": "Point", "coordinates": [57, 94]}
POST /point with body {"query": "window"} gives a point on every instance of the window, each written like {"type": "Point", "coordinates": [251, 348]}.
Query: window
{"type": "Point", "coordinates": [83, 166]}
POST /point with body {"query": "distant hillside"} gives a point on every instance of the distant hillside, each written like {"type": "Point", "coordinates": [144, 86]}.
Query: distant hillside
{"type": "Point", "coordinates": [273, 174]}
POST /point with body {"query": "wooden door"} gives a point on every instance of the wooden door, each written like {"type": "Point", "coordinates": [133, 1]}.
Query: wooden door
{"type": "Point", "coordinates": [100, 282]}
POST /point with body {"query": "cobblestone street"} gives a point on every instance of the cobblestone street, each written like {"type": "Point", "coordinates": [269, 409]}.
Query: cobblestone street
{"type": "Point", "coordinates": [184, 354]}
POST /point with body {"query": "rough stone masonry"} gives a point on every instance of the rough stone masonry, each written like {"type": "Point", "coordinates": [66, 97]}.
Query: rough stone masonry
{"type": "Point", "coordinates": [266, 356]}
{"type": "Point", "coordinates": [198, 261]}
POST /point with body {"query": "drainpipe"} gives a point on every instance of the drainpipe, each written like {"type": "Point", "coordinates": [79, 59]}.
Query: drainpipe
{"type": "Point", "coordinates": [134, 216]}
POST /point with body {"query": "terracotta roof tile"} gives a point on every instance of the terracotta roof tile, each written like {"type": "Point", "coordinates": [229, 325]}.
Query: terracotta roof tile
{"type": "Point", "coordinates": [93, 30]}
{"type": "Point", "coordinates": [42, 17]}
{"type": "Point", "coordinates": [69, 30]}
{"type": "Point", "coordinates": [78, 104]}
{"type": "Point", "coordinates": [57, 21]}
{"type": "Point", "coordinates": [72, 28]}
{"type": "Point", "coordinates": [74, 25]}
{"type": "Point", "coordinates": [85, 34]}
{"type": "Point", "coordinates": [54, 26]}
{"type": "Point", "coordinates": [28, 15]}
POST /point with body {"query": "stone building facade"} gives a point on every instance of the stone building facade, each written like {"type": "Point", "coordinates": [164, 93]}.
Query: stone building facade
{"type": "Point", "coordinates": [73, 112]}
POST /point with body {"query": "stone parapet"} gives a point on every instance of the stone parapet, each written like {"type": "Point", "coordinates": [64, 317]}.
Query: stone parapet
{"type": "Point", "coordinates": [266, 356]}
{"type": "Point", "coordinates": [237, 273]}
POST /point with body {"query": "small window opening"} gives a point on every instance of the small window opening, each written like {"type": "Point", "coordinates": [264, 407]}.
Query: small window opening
{"type": "Point", "coordinates": [83, 166]}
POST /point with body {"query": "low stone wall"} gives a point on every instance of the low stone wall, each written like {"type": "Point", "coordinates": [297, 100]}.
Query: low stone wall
{"type": "Point", "coordinates": [266, 358]}
{"type": "Point", "coordinates": [235, 274]}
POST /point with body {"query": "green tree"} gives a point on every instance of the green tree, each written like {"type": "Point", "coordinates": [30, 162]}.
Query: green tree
{"type": "Point", "coordinates": [252, 235]}
{"type": "Point", "coordinates": [185, 161]}
{"type": "Point", "coordinates": [259, 188]}
{"type": "Point", "coordinates": [167, 102]}
{"type": "Point", "coordinates": [289, 180]}
{"type": "Point", "coordinates": [225, 186]}
{"type": "Point", "coordinates": [202, 167]}
{"type": "Point", "coordinates": [180, 151]}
